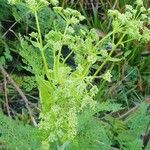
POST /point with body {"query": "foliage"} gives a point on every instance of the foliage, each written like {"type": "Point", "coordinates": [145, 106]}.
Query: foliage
{"type": "Point", "coordinates": [27, 83]}
{"type": "Point", "coordinates": [132, 22]}
{"type": "Point", "coordinates": [56, 97]}
{"type": "Point", "coordinates": [68, 61]}
{"type": "Point", "coordinates": [5, 53]}
{"type": "Point", "coordinates": [16, 135]}
{"type": "Point", "coordinates": [104, 134]}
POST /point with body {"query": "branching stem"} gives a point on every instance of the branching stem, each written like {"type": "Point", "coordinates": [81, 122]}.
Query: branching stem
{"type": "Point", "coordinates": [107, 59]}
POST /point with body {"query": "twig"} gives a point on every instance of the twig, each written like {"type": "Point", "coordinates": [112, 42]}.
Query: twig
{"type": "Point", "coordinates": [9, 29]}
{"type": "Point", "coordinates": [123, 116]}
{"type": "Point", "coordinates": [128, 112]}
{"type": "Point", "coordinates": [20, 92]}
{"type": "Point", "coordinates": [6, 97]}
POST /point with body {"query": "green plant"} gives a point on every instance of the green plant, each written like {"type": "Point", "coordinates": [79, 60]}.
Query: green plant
{"type": "Point", "coordinates": [113, 132]}
{"type": "Point", "coordinates": [66, 92]}
{"type": "Point", "coordinates": [4, 52]}
{"type": "Point", "coordinates": [16, 135]}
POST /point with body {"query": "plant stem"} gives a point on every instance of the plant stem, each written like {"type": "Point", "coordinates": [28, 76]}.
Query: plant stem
{"type": "Point", "coordinates": [42, 49]}
{"type": "Point", "coordinates": [66, 29]}
{"type": "Point", "coordinates": [67, 56]}
{"type": "Point", "coordinates": [114, 47]}
{"type": "Point", "coordinates": [41, 42]}
{"type": "Point", "coordinates": [103, 39]}
{"type": "Point", "coordinates": [57, 60]}
{"type": "Point", "coordinates": [5, 74]}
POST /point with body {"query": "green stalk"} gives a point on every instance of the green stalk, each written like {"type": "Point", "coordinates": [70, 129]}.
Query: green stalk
{"type": "Point", "coordinates": [59, 52]}
{"type": "Point", "coordinates": [67, 57]}
{"type": "Point", "coordinates": [86, 70]}
{"type": "Point", "coordinates": [66, 29]}
{"type": "Point", "coordinates": [41, 43]}
{"type": "Point", "coordinates": [42, 48]}
{"type": "Point", "coordinates": [103, 39]}
{"type": "Point", "coordinates": [119, 42]}
{"type": "Point", "coordinates": [54, 65]}
{"type": "Point", "coordinates": [57, 58]}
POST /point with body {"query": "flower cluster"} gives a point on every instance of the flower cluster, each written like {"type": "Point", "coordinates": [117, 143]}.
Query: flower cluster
{"type": "Point", "coordinates": [133, 22]}
{"type": "Point", "coordinates": [33, 5]}
{"type": "Point", "coordinates": [71, 16]}
{"type": "Point", "coordinates": [68, 100]}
